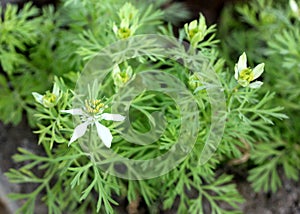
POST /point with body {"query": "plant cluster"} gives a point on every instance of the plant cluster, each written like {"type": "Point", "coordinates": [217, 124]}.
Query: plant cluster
{"type": "Point", "coordinates": [42, 46]}
{"type": "Point", "coordinates": [269, 30]}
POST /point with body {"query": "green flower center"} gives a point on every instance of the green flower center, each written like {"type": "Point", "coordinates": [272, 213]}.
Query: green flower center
{"type": "Point", "coordinates": [246, 75]}
{"type": "Point", "coordinates": [49, 97]}
{"type": "Point", "coordinates": [94, 106]}
{"type": "Point", "coordinates": [124, 33]}
{"type": "Point", "coordinates": [193, 32]}
{"type": "Point", "coordinates": [124, 76]}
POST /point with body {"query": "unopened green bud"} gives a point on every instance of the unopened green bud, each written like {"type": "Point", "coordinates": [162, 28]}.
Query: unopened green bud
{"type": "Point", "coordinates": [196, 31]}
{"type": "Point", "coordinates": [129, 22]}
{"type": "Point", "coordinates": [121, 77]}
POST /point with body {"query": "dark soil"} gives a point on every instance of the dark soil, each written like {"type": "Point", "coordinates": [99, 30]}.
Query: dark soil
{"type": "Point", "coordinates": [285, 201]}
{"type": "Point", "coordinates": [11, 138]}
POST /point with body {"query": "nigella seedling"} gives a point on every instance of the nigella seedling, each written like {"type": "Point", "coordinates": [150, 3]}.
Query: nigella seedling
{"type": "Point", "coordinates": [245, 75]}
{"type": "Point", "coordinates": [90, 114]}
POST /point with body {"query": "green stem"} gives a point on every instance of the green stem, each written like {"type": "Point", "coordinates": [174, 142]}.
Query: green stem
{"type": "Point", "coordinates": [230, 97]}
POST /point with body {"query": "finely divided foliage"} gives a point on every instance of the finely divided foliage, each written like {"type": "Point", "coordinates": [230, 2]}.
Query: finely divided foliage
{"type": "Point", "coordinates": [38, 46]}
{"type": "Point", "coordinates": [275, 27]}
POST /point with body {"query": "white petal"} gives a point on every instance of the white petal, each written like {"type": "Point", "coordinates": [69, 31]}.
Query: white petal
{"type": "Point", "coordinates": [193, 25]}
{"type": "Point", "coordinates": [79, 131]}
{"type": "Point", "coordinates": [55, 90]}
{"type": "Point", "coordinates": [115, 29]}
{"type": "Point", "coordinates": [242, 63]}
{"type": "Point", "coordinates": [294, 6]}
{"type": "Point", "coordinates": [236, 72]}
{"type": "Point", "coordinates": [116, 69]}
{"type": "Point", "coordinates": [256, 84]}
{"type": "Point", "coordinates": [113, 117]}
{"type": "Point", "coordinates": [258, 70]}
{"type": "Point", "coordinates": [38, 97]}
{"type": "Point", "coordinates": [75, 111]}
{"type": "Point", "coordinates": [104, 134]}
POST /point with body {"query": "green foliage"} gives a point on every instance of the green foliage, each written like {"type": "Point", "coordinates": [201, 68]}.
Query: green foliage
{"type": "Point", "coordinates": [18, 30]}
{"type": "Point", "coordinates": [26, 57]}
{"type": "Point", "coordinates": [55, 45]}
{"type": "Point", "coordinates": [268, 30]}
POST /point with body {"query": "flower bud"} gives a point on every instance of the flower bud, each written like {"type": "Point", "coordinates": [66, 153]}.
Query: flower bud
{"type": "Point", "coordinates": [121, 77]}
{"type": "Point", "coordinates": [196, 31]}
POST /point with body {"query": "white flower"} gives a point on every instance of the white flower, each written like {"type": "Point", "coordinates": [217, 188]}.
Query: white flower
{"type": "Point", "coordinates": [50, 99]}
{"type": "Point", "coordinates": [245, 75]}
{"type": "Point", "coordinates": [91, 114]}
